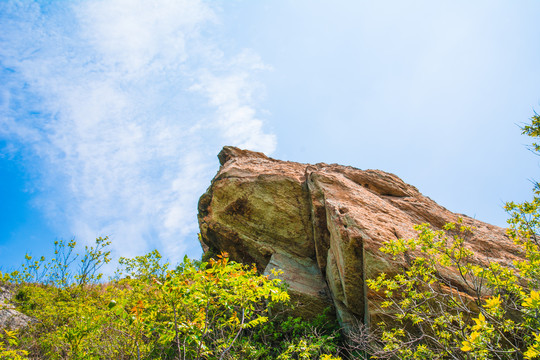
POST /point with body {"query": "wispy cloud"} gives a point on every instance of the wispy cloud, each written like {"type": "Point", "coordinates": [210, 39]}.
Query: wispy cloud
{"type": "Point", "coordinates": [232, 95]}
{"type": "Point", "coordinates": [124, 103]}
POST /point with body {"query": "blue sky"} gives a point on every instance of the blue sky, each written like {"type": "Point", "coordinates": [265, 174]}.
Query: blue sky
{"type": "Point", "coordinates": [112, 112]}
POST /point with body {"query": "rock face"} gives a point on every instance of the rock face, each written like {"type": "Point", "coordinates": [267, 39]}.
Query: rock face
{"type": "Point", "coordinates": [9, 317]}
{"type": "Point", "coordinates": [323, 226]}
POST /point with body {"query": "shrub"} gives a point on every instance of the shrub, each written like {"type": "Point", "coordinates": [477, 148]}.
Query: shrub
{"type": "Point", "coordinates": [198, 310]}
{"type": "Point", "coordinates": [496, 316]}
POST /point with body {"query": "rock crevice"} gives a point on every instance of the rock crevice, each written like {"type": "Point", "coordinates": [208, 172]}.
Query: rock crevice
{"type": "Point", "coordinates": [323, 225]}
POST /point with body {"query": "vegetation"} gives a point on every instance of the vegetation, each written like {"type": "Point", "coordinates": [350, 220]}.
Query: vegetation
{"type": "Point", "coordinates": [496, 315]}
{"type": "Point", "coordinates": [198, 310]}
{"type": "Point", "coordinates": [223, 310]}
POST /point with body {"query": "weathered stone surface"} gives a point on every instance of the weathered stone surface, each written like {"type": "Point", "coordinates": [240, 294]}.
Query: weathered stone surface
{"type": "Point", "coordinates": [306, 283]}
{"type": "Point", "coordinates": [9, 317]}
{"type": "Point", "coordinates": [323, 226]}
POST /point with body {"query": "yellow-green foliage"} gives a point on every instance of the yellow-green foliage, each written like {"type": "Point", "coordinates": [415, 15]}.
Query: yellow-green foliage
{"type": "Point", "coordinates": [495, 316]}
{"type": "Point", "coordinates": [214, 310]}
{"type": "Point", "coordinates": [197, 311]}
{"type": "Point", "coordinates": [8, 346]}
{"type": "Point", "coordinates": [434, 319]}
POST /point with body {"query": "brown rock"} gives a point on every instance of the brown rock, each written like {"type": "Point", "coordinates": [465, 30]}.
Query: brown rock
{"type": "Point", "coordinates": [323, 226]}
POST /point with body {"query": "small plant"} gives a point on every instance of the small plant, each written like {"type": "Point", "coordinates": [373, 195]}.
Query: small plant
{"type": "Point", "coordinates": [60, 270]}
{"type": "Point", "coordinates": [8, 346]}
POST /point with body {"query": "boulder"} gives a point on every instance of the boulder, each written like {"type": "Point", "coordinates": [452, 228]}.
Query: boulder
{"type": "Point", "coordinates": [9, 317]}
{"type": "Point", "coordinates": [323, 226]}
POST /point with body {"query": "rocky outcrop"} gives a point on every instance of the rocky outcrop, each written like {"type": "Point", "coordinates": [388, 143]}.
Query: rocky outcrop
{"type": "Point", "coordinates": [9, 317]}
{"type": "Point", "coordinates": [323, 226]}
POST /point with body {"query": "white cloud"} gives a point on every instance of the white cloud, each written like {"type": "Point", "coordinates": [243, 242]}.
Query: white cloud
{"type": "Point", "coordinates": [236, 120]}
{"type": "Point", "coordinates": [232, 95]}
{"type": "Point", "coordinates": [120, 127]}
{"type": "Point", "coordinates": [136, 36]}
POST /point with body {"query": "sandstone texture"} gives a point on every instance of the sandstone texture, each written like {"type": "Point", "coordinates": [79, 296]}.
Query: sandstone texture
{"type": "Point", "coordinates": [323, 225]}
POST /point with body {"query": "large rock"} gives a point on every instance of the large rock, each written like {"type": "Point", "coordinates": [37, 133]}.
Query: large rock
{"type": "Point", "coordinates": [323, 226]}
{"type": "Point", "coordinates": [9, 317]}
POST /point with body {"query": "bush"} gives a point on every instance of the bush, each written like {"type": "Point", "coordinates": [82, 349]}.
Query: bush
{"type": "Point", "coordinates": [496, 315]}
{"type": "Point", "coordinates": [198, 310]}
